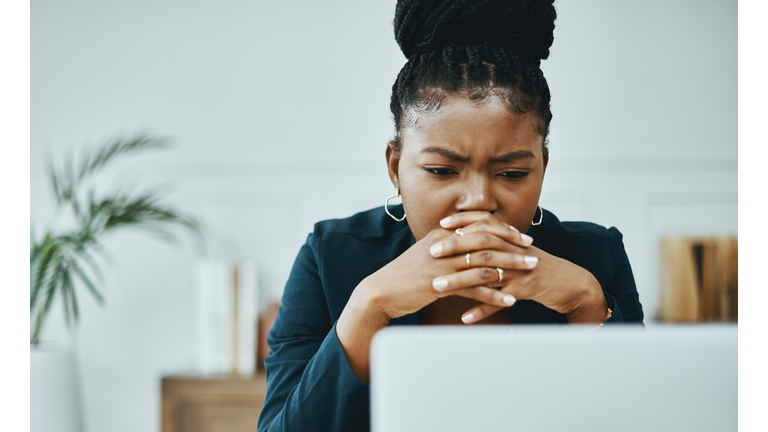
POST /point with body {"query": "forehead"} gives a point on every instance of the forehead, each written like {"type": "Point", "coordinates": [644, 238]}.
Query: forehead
{"type": "Point", "coordinates": [473, 127]}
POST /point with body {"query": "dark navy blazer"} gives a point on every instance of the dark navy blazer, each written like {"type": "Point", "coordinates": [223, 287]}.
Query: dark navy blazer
{"type": "Point", "coordinates": [310, 385]}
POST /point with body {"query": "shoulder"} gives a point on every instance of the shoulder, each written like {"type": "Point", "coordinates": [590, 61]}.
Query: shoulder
{"type": "Point", "coordinates": [551, 226]}
{"type": "Point", "coordinates": [346, 251]}
{"type": "Point", "coordinates": [369, 226]}
{"type": "Point", "coordinates": [578, 241]}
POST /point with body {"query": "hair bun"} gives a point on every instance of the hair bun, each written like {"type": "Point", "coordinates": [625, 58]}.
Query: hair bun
{"type": "Point", "coordinates": [522, 27]}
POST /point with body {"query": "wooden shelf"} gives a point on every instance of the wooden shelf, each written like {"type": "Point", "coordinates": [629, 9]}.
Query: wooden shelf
{"type": "Point", "coordinates": [208, 403]}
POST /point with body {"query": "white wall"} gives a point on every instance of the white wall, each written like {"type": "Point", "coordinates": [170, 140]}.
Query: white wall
{"type": "Point", "coordinates": [279, 114]}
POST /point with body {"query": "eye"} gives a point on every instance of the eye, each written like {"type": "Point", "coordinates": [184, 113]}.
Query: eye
{"type": "Point", "coordinates": [514, 174]}
{"type": "Point", "coordinates": [440, 172]}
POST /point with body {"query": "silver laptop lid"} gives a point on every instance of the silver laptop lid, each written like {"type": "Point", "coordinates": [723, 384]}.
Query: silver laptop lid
{"type": "Point", "coordinates": [533, 378]}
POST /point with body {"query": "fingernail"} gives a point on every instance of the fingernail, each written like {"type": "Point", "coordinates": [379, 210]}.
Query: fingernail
{"type": "Point", "coordinates": [527, 239]}
{"type": "Point", "coordinates": [509, 300]}
{"type": "Point", "coordinates": [436, 249]}
{"type": "Point", "coordinates": [531, 261]}
{"type": "Point", "coordinates": [440, 283]}
{"type": "Point", "coordinates": [468, 318]}
{"type": "Point", "coordinates": [513, 228]}
{"type": "Point", "coordinates": [444, 223]}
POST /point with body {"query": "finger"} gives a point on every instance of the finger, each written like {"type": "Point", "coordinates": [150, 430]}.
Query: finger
{"type": "Point", "coordinates": [478, 313]}
{"type": "Point", "coordinates": [465, 219]}
{"type": "Point", "coordinates": [461, 244]}
{"type": "Point", "coordinates": [468, 278]}
{"type": "Point", "coordinates": [499, 229]}
{"type": "Point", "coordinates": [487, 295]}
{"type": "Point", "coordinates": [493, 259]}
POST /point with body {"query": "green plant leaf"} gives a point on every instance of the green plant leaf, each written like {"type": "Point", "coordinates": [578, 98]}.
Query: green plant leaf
{"type": "Point", "coordinates": [50, 250]}
{"type": "Point", "coordinates": [50, 293]}
{"type": "Point", "coordinates": [35, 251]}
{"type": "Point", "coordinates": [56, 184]}
{"type": "Point", "coordinates": [66, 286]}
{"type": "Point", "coordinates": [95, 245]}
{"type": "Point", "coordinates": [38, 326]}
{"type": "Point", "coordinates": [119, 146]}
{"type": "Point", "coordinates": [56, 261]}
{"type": "Point", "coordinates": [92, 264]}
{"type": "Point", "coordinates": [75, 309]}
{"type": "Point", "coordinates": [87, 282]}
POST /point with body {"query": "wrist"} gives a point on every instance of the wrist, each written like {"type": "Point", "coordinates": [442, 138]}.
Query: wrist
{"type": "Point", "coordinates": [591, 307]}
{"type": "Point", "coordinates": [365, 309]}
{"type": "Point", "coordinates": [359, 321]}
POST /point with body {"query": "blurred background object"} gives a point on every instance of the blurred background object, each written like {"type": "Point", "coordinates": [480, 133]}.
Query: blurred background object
{"type": "Point", "coordinates": [227, 304]}
{"type": "Point", "coordinates": [699, 279]}
{"type": "Point", "coordinates": [67, 260]}
{"type": "Point", "coordinates": [280, 112]}
{"type": "Point", "coordinates": [266, 321]}
{"type": "Point", "coordinates": [64, 258]}
{"type": "Point", "coordinates": [54, 390]}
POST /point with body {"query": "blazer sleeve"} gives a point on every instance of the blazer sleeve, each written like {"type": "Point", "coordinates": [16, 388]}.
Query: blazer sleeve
{"type": "Point", "coordinates": [621, 295]}
{"type": "Point", "coordinates": [310, 385]}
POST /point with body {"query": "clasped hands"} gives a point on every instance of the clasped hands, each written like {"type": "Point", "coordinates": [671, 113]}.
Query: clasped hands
{"type": "Point", "coordinates": [482, 249]}
{"type": "Point", "coordinates": [489, 261]}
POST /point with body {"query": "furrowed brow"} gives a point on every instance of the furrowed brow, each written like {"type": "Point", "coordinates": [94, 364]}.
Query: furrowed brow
{"type": "Point", "coordinates": [446, 154]}
{"type": "Point", "coordinates": [513, 156]}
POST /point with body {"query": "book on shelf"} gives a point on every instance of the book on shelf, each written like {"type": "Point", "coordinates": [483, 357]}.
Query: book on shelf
{"type": "Point", "coordinates": [698, 279]}
{"type": "Point", "coordinates": [226, 317]}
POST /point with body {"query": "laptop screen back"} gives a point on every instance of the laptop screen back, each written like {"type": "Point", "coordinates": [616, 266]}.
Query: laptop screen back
{"type": "Point", "coordinates": [553, 378]}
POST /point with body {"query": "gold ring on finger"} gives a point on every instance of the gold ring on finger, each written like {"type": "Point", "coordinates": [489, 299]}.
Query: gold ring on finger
{"type": "Point", "coordinates": [466, 258]}
{"type": "Point", "coordinates": [501, 275]}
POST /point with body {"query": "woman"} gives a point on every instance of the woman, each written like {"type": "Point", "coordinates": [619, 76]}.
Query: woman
{"type": "Point", "coordinates": [471, 111]}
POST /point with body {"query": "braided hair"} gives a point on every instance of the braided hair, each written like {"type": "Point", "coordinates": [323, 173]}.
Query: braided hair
{"type": "Point", "coordinates": [474, 49]}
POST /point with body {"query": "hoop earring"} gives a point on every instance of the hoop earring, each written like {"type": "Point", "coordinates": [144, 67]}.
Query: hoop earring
{"type": "Point", "coordinates": [541, 217]}
{"type": "Point", "coordinates": [386, 206]}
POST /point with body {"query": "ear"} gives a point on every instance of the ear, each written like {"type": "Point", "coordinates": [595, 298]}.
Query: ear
{"type": "Point", "coordinates": [393, 164]}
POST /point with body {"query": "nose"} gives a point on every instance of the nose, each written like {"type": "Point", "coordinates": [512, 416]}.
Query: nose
{"type": "Point", "coordinates": [477, 195]}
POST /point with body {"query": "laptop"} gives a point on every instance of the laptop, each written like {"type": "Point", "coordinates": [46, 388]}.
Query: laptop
{"type": "Point", "coordinates": [555, 378]}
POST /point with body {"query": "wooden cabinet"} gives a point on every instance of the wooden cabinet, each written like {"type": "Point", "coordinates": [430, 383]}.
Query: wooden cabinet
{"type": "Point", "coordinates": [221, 403]}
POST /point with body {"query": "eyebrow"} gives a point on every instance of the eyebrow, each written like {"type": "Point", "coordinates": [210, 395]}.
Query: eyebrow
{"type": "Point", "coordinates": [446, 154]}
{"type": "Point", "coordinates": [507, 157]}
{"type": "Point", "coordinates": [513, 156]}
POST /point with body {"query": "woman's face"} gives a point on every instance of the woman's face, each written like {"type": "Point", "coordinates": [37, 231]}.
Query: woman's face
{"type": "Point", "coordinates": [469, 156]}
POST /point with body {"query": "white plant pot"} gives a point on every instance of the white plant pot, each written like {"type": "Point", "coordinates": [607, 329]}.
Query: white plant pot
{"type": "Point", "coordinates": [54, 402]}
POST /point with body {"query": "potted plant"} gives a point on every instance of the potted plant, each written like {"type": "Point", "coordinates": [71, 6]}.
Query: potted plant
{"type": "Point", "coordinates": [62, 263]}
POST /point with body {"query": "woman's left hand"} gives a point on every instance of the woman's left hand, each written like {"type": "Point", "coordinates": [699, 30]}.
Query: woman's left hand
{"type": "Point", "coordinates": [554, 282]}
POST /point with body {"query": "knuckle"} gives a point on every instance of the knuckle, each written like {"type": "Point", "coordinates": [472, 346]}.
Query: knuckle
{"type": "Point", "coordinates": [484, 238]}
{"type": "Point", "coordinates": [478, 314]}
{"type": "Point", "coordinates": [452, 243]}
{"type": "Point", "coordinates": [487, 273]}
{"type": "Point", "coordinates": [486, 256]}
{"type": "Point", "coordinates": [471, 292]}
